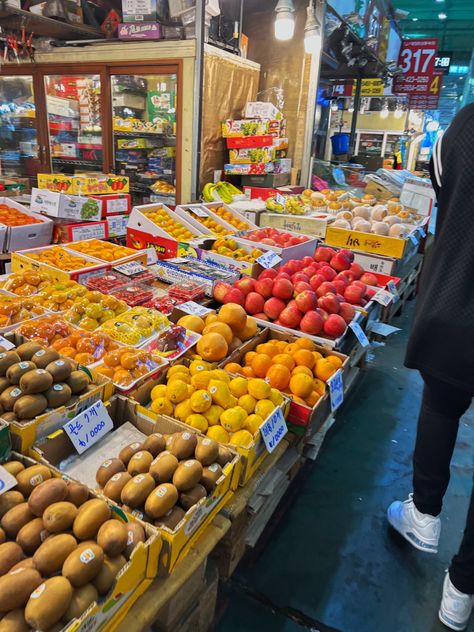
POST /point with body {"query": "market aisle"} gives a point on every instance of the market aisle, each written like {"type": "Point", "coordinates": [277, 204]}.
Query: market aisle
{"type": "Point", "coordinates": [332, 556]}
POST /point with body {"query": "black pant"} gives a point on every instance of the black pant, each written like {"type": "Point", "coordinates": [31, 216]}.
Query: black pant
{"type": "Point", "coordinates": [442, 407]}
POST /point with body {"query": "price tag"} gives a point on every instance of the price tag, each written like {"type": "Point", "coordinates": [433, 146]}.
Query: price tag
{"type": "Point", "coordinates": [359, 334]}
{"type": "Point", "coordinates": [280, 199]}
{"type": "Point", "coordinates": [269, 259]}
{"type": "Point", "coordinates": [413, 239]}
{"type": "Point", "coordinates": [336, 390]}
{"type": "Point", "coordinates": [194, 308]}
{"type": "Point", "coordinates": [130, 268]}
{"type": "Point", "coordinates": [273, 429]}
{"type": "Point", "coordinates": [383, 297]}
{"type": "Point", "coordinates": [89, 426]}
{"type": "Point", "coordinates": [151, 256]}
{"type": "Point", "coordinates": [200, 212]}
{"type": "Point", "coordinates": [6, 344]}
{"type": "Point", "coordinates": [392, 288]}
{"type": "Point", "coordinates": [7, 481]}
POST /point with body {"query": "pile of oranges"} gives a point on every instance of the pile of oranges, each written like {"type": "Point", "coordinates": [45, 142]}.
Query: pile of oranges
{"type": "Point", "coordinates": [227, 216]}
{"type": "Point", "coordinates": [10, 216]}
{"type": "Point", "coordinates": [60, 258]}
{"type": "Point", "coordinates": [124, 365]}
{"type": "Point", "coordinates": [211, 224]}
{"type": "Point", "coordinates": [172, 226]}
{"type": "Point", "coordinates": [26, 283]}
{"type": "Point", "coordinates": [103, 250]}
{"type": "Point", "coordinates": [84, 347]}
{"type": "Point", "coordinates": [294, 368]}
{"type": "Point", "coordinates": [14, 310]}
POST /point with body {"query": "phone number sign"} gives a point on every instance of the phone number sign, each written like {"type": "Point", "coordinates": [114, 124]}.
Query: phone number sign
{"type": "Point", "coordinates": [417, 61]}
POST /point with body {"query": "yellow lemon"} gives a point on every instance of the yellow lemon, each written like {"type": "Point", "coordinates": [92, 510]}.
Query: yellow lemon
{"type": "Point", "coordinates": [248, 403]}
{"type": "Point", "coordinates": [184, 377]}
{"type": "Point", "coordinates": [191, 390]}
{"type": "Point", "coordinates": [201, 379]}
{"type": "Point", "coordinates": [158, 391]}
{"type": "Point", "coordinates": [242, 438]}
{"type": "Point", "coordinates": [253, 423]}
{"type": "Point", "coordinates": [233, 419]}
{"type": "Point", "coordinates": [213, 414]}
{"type": "Point", "coordinates": [221, 395]}
{"type": "Point", "coordinates": [264, 408]}
{"type": "Point", "coordinates": [197, 421]}
{"type": "Point", "coordinates": [220, 374]}
{"type": "Point", "coordinates": [200, 401]}
{"type": "Point", "coordinates": [238, 386]}
{"type": "Point", "coordinates": [162, 405]}
{"type": "Point", "coordinates": [176, 391]}
{"type": "Point", "coordinates": [276, 397]}
{"type": "Point", "coordinates": [197, 366]}
{"type": "Point", "coordinates": [259, 389]}
{"type": "Point", "coordinates": [183, 410]}
{"type": "Point", "coordinates": [218, 434]}
{"type": "Point", "coordinates": [177, 368]}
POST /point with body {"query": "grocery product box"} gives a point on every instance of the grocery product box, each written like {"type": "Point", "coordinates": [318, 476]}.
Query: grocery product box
{"type": "Point", "coordinates": [117, 225]}
{"type": "Point", "coordinates": [114, 204]}
{"type": "Point", "coordinates": [198, 215]}
{"type": "Point", "coordinates": [374, 244]}
{"type": "Point", "coordinates": [262, 110]}
{"type": "Point", "coordinates": [73, 207]}
{"type": "Point", "coordinates": [249, 142]}
{"type": "Point", "coordinates": [84, 184]}
{"type": "Point", "coordinates": [140, 256]}
{"type": "Point", "coordinates": [253, 127]}
{"type": "Point", "coordinates": [65, 232]}
{"type": "Point", "coordinates": [140, 31]}
{"type": "Point", "coordinates": [29, 236]}
{"type": "Point", "coordinates": [307, 225]}
{"type": "Point", "coordinates": [254, 155]}
{"type": "Point", "coordinates": [182, 270]}
{"type": "Point", "coordinates": [132, 422]}
{"type": "Point", "coordinates": [159, 126]}
{"type": "Point", "coordinates": [139, 10]}
{"type": "Point", "coordinates": [279, 166]}
{"type": "Point", "coordinates": [298, 251]}
{"type": "Point", "coordinates": [204, 253]}
{"type": "Point", "coordinates": [268, 181]}
{"type": "Point", "coordinates": [263, 193]}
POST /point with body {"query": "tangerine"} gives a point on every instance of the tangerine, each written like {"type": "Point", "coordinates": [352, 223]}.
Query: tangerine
{"type": "Point", "coordinates": [278, 376]}
{"type": "Point", "coordinates": [284, 358]}
{"type": "Point", "coordinates": [305, 343]}
{"type": "Point", "coordinates": [260, 364]}
{"type": "Point", "coordinates": [303, 357]}
{"type": "Point", "coordinates": [301, 385]}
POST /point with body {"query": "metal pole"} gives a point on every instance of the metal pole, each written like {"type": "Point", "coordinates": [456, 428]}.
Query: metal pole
{"type": "Point", "coordinates": [241, 25]}
{"type": "Point", "coordinates": [355, 114]}
{"type": "Point", "coordinates": [197, 106]}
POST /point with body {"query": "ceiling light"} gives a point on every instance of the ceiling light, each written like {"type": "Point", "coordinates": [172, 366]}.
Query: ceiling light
{"type": "Point", "coordinates": [414, 19]}
{"type": "Point", "coordinates": [334, 107]}
{"type": "Point", "coordinates": [312, 32]}
{"type": "Point", "coordinates": [439, 0]}
{"type": "Point", "coordinates": [442, 16]}
{"type": "Point", "coordinates": [284, 21]}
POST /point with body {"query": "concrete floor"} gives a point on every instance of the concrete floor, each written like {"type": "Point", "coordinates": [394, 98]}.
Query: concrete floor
{"type": "Point", "coordinates": [331, 563]}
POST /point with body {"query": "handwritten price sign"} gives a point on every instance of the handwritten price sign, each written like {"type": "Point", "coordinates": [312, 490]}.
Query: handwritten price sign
{"type": "Point", "coordinates": [274, 429]}
{"type": "Point", "coordinates": [89, 426]}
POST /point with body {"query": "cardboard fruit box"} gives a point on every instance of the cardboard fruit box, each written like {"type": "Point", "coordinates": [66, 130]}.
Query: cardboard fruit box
{"type": "Point", "coordinates": [315, 225]}
{"type": "Point", "coordinates": [205, 253]}
{"type": "Point", "coordinates": [186, 212]}
{"type": "Point", "coordinates": [65, 232]}
{"type": "Point", "coordinates": [57, 450]}
{"type": "Point", "coordinates": [29, 236]}
{"type": "Point", "coordinates": [298, 251]}
{"type": "Point", "coordinates": [84, 184]}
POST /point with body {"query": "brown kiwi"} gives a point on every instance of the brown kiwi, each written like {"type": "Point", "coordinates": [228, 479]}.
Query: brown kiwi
{"type": "Point", "coordinates": [44, 356]}
{"type": "Point", "coordinates": [27, 350]}
{"type": "Point", "coordinates": [30, 406]}
{"type": "Point", "coordinates": [36, 381]}
{"type": "Point", "coordinates": [59, 369]}
{"type": "Point", "coordinates": [171, 519]}
{"type": "Point", "coordinates": [6, 360]}
{"type": "Point", "coordinates": [4, 383]}
{"type": "Point", "coordinates": [15, 371]}
{"type": "Point", "coordinates": [9, 396]}
{"type": "Point", "coordinates": [78, 382]}
{"type": "Point", "coordinates": [58, 394]}
{"type": "Point", "coordinates": [10, 416]}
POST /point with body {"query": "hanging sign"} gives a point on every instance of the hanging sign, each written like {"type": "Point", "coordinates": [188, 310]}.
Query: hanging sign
{"type": "Point", "coordinates": [417, 61]}
{"type": "Point", "coordinates": [428, 101]}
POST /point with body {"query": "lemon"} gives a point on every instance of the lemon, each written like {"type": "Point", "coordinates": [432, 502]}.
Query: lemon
{"type": "Point", "coordinates": [276, 397]}
{"type": "Point", "coordinates": [221, 395]}
{"type": "Point", "coordinates": [191, 389]}
{"type": "Point", "coordinates": [158, 391]}
{"type": "Point", "coordinates": [184, 377]}
{"type": "Point", "coordinates": [197, 421]}
{"type": "Point", "coordinates": [218, 434]}
{"type": "Point", "coordinates": [259, 389]}
{"type": "Point", "coordinates": [197, 366]}
{"type": "Point", "coordinates": [264, 408]}
{"type": "Point", "coordinates": [162, 405]}
{"type": "Point", "coordinates": [201, 379]}
{"type": "Point", "coordinates": [233, 418]}
{"type": "Point", "coordinates": [183, 410]}
{"type": "Point", "coordinates": [178, 368]}
{"type": "Point", "coordinates": [238, 386]}
{"type": "Point", "coordinates": [242, 438]}
{"type": "Point", "coordinates": [176, 391]}
{"type": "Point", "coordinates": [213, 414]}
{"type": "Point", "coordinates": [253, 423]}
{"type": "Point", "coordinates": [220, 374]}
{"type": "Point", "coordinates": [200, 401]}
{"type": "Point", "coordinates": [248, 403]}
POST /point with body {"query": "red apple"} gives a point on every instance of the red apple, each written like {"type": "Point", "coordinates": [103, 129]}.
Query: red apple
{"type": "Point", "coordinates": [357, 270]}
{"type": "Point", "coordinates": [347, 311]}
{"type": "Point", "coordinates": [329, 303]}
{"type": "Point", "coordinates": [347, 253]}
{"type": "Point", "coordinates": [312, 323]}
{"type": "Point", "coordinates": [334, 326]}
{"type": "Point", "coordinates": [340, 285]}
{"type": "Point", "coordinates": [306, 301]}
{"type": "Point", "coordinates": [307, 261]}
{"type": "Point", "coordinates": [310, 271]}
{"type": "Point", "coordinates": [245, 285]}
{"type": "Point", "coordinates": [369, 279]}
{"type": "Point", "coordinates": [362, 286]}
{"type": "Point", "coordinates": [340, 262]}
{"type": "Point", "coordinates": [273, 308]}
{"type": "Point", "coordinates": [291, 317]}
{"type": "Point", "coordinates": [301, 286]}
{"type": "Point", "coordinates": [323, 253]}
{"type": "Point", "coordinates": [324, 288]}
{"type": "Point", "coordinates": [261, 316]}
{"type": "Point", "coordinates": [264, 287]}
{"type": "Point", "coordinates": [220, 290]}
{"type": "Point", "coordinates": [282, 288]}
{"type": "Point", "coordinates": [354, 294]}
{"type": "Point", "coordinates": [270, 273]}
{"type": "Point", "coordinates": [316, 281]}
{"type": "Point", "coordinates": [292, 303]}
{"type": "Point", "coordinates": [323, 313]}
{"type": "Point", "coordinates": [283, 275]}
{"type": "Point", "coordinates": [327, 272]}
{"type": "Point", "coordinates": [370, 293]}
{"type": "Point", "coordinates": [234, 295]}
{"type": "Point", "coordinates": [254, 303]}
{"type": "Point", "coordinates": [300, 276]}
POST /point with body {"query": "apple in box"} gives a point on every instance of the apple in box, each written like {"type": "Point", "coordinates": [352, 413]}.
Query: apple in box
{"type": "Point", "coordinates": [340, 261]}
{"type": "Point", "coordinates": [312, 323]}
{"type": "Point", "coordinates": [329, 302]}
{"type": "Point", "coordinates": [282, 288]}
{"type": "Point", "coordinates": [273, 308]}
{"type": "Point", "coordinates": [301, 286]}
{"type": "Point", "coordinates": [324, 253]}
{"type": "Point", "coordinates": [306, 301]}
{"type": "Point", "coordinates": [347, 311]}
{"type": "Point", "coordinates": [324, 288]}
{"type": "Point", "coordinates": [334, 326]}
{"type": "Point", "coordinates": [254, 303]}
{"type": "Point", "coordinates": [369, 279]}
{"type": "Point", "coordinates": [291, 317]}
{"type": "Point", "coordinates": [354, 294]}
{"type": "Point", "coordinates": [235, 296]}
{"type": "Point", "coordinates": [245, 285]}
{"type": "Point", "coordinates": [220, 290]}
{"type": "Point", "coordinates": [300, 276]}
{"type": "Point", "coordinates": [264, 287]}
{"type": "Point", "coordinates": [327, 272]}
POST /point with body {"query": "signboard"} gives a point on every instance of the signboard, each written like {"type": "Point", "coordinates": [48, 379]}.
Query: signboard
{"type": "Point", "coordinates": [443, 61]}
{"type": "Point", "coordinates": [370, 88]}
{"type": "Point", "coordinates": [429, 101]}
{"type": "Point", "coordinates": [417, 61]}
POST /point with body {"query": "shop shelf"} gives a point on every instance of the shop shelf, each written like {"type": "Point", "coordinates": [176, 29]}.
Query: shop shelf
{"type": "Point", "coordinates": [14, 18]}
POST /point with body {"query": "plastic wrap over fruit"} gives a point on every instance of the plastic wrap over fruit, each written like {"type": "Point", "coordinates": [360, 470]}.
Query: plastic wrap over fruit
{"type": "Point", "coordinates": [85, 347]}
{"type": "Point", "coordinates": [45, 330]}
{"type": "Point", "coordinates": [135, 326]}
{"type": "Point", "coordinates": [127, 366]}
{"type": "Point", "coordinates": [93, 309]}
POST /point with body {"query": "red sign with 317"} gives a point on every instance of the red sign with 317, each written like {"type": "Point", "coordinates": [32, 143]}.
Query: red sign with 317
{"type": "Point", "coordinates": [417, 61]}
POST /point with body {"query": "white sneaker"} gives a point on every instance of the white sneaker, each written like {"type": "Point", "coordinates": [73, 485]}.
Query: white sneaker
{"type": "Point", "coordinates": [421, 530]}
{"type": "Point", "coordinates": [456, 607]}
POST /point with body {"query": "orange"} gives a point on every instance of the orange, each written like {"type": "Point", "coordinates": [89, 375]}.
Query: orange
{"type": "Point", "coordinates": [303, 357]}
{"type": "Point", "coordinates": [233, 315]}
{"type": "Point", "coordinates": [105, 370]}
{"type": "Point", "coordinates": [299, 400]}
{"type": "Point", "coordinates": [291, 348]}
{"type": "Point", "coordinates": [69, 352]}
{"type": "Point", "coordinates": [210, 318]}
{"type": "Point", "coordinates": [249, 356]}
{"type": "Point", "coordinates": [122, 377]}
{"type": "Point", "coordinates": [280, 345]}
{"type": "Point", "coordinates": [324, 369]}
{"type": "Point", "coordinates": [301, 385]}
{"type": "Point", "coordinates": [247, 371]}
{"type": "Point", "coordinates": [84, 358]}
{"type": "Point", "coordinates": [302, 369]}
{"type": "Point", "coordinates": [112, 358]}
{"type": "Point", "coordinates": [267, 348]}
{"type": "Point", "coordinates": [319, 386]}
{"type": "Point", "coordinates": [284, 358]}
{"type": "Point", "coordinates": [194, 323]}
{"type": "Point", "coordinates": [232, 367]}
{"type": "Point", "coordinates": [260, 364]}
{"type": "Point", "coordinates": [129, 360]}
{"type": "Point", "coordinates": [249, 331]}
{"type": "Point", "coordinates": [278, 376]}
{"type": "Point", "coordinates": [305, 343]}
{"type": "Point", "coordinates": [337, 362]}
{"type": "Point", "coordinates": [212, 347]}
{"type": "Point", "coordinates": [317, 356]}
{"type": "Point", "coordinates": [313, 398]}
{"type": "Point", "coordinates": [220, 328]}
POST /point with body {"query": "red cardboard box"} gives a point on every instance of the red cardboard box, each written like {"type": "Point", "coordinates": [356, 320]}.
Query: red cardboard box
{"type": "Point", "coordinates": [250, 142]}
{"type": "Point", "coordinates": [64, 233]}
{"type": "Point", "coordinates": [165, 248]}
{"type": "Point", "coordinates": [115, 204]}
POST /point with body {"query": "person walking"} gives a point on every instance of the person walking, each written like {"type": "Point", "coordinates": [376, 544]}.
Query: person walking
{"type": "Point", "coordinates": [441, 347]}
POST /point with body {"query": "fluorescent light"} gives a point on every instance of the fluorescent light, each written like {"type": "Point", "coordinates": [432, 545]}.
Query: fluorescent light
{"type": "Point", "coordinates": [442, 16]}
{"type": "Point", "coordinates": [414, 19]}
{"type": "Point", "coordinates": [312, 32]}
{"type": "Point", "coordinates": [284, 21]}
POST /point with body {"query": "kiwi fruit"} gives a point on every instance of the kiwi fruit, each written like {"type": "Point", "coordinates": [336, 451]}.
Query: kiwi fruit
{"type": "Point", "coordinates": [27, 350]}
{"type": "Point", "coordinates": [9, 396]}
{"type": "Point", "coordinates": [15, 371]}
{"type": "Point", "coordinates": [171, 519]}
{"type": "Point", "coordinates": [44, 356]}
{"type": "Point", "coordinates": [4, 383]}
{"type": "Point", "coordinates": [6, 360]}
{"type": "Point", "coordinates": [10, 416]}
{"type": "Point", "coordinates": [57, 395]}
{"type": "Point", "coordinates": [30, 406]}
{"type": "Point", "coordinates": [191, 497]}
{"type": "Point", "coordinates": [78, 381]}
{"type": "Point", "coordinates": [59, 369]}
{"type": "Point", "coordinates": [36, 381]}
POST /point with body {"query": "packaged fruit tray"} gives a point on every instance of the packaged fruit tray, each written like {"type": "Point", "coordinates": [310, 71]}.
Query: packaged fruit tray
{"type": "Point", "coordinates": [86, 348]}
{"type": "Point", "coordinates": [133, 293]}
{"type": "Point", "coordinates": [135, 327]}
{"type": "Point", "coordinates": [128, 367]}
{"type": "Point", "coordinates": [25, 283]}
{"type": "Point", "coordinates": [105, 251]}
{"type": "Point", "coordinates": [204, 219]}
{"type": "Point", "coordinates": [45, 330]}
{"type": "Point", "coordinates": [59, 297]}
{"type": "Point", "coordinates": [172, 343]}
{"type": "Point", "coordinates": [234, 256]}
{"type": "Point", "coordinates": [92, 309]}
{"type": "Point", "coordinates": [15, 310]}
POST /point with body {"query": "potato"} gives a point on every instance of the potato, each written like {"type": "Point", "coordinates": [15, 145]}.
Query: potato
{"type": "Point", "coordinates": [187, 475]}
{"type": "Point", "coordinates": [114, 486]}
{"type": "Point", "coordinates": [183, 445]}
{"type": "Point", "coordinates": [126, 453]}
{"type": "Point", "coordinates": [107, 574]}
{"type": "Point", "coordinates": [14, 467]}
{"type": "Point", "coordinates": [32, 477]}
{"type": "Point", "coordinates": [112, 537]}
{"type": "Point", "coordinates": [191, 497]}
{"type": "Point", "coordinates": [31, 536]}
{"type": "Point", "coordinates": [77, 494]}
{"type": "Point", "coordinates": [15, 519]}
{"type": "Point", "coordinates": [59, 517]}
{"type": "Point", "coordinates": [51, 555]}
{"type": "Point", "coordinates": [48, 603]}
{"type": "Point", "coordinates": [172, 518]}
{"type": "Point", "coordinates": [52, 491]}
{"type": "Point", "coordinates": [210, 476]}
{"type": "Point", "coordinates": [163, 467]}
{"type": "Point", "coordinates": [10, 499]}
{"type": "Point", "coordinates": [155, 443]}
{"type": "Point", "coordinates": [14, 621]}
{"type": "Point", "coordinates": [137, 490]}
{"type": "Point", "coordinates": [10, 554]}
{"type": "Point", "coordinates": [16, 588]}
{"type": "Point", "coordinates": [82, 598]}
{"type": "Point", "coordinates": [107, 470]}
{"type": "Point", "coordinates": [135, 534]}
{"type": "Point", "coordinates": [161, 500]}
{"type": "Point", "coordinates": [140, 463]}
{"type": "Point", "coordinates": [83, 564]}
{"type": "Point", "coordinates": [91, 515]}
{"type": "Point", "coordinates": [207, 451]}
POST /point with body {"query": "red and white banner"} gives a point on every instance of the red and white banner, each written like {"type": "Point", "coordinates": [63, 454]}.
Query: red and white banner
{"type": "Point", "coordinates": [428, 101]}
{"type": "Point", "coordinates": [417, 61]}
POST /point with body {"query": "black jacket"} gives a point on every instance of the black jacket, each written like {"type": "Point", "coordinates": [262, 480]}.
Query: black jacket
{"type": "Point", "coordinates": [442, 337]}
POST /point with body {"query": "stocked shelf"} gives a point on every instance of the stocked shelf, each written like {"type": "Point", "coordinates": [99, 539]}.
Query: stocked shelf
{"type": "Point", "coordinates": [13, 18]}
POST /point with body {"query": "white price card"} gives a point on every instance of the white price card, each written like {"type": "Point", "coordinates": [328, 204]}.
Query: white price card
{"type": "Point", "coordinates": [194, 308]}
{"type": "Point", "coordinates": [413, 239]}
{"type": "Point", "coordinates": [130, 268]}
{"type": "Point", "coordinates": [274, 429]}
{"type": "Point", "coordinates": [392, 288]}
{"type": "Point", "coordinates": [6, 344]}
{"type": "Point", "coordinates": [7, 481]}
{"type": "Point", "coordinates": [200, 212]}
{"type": "Point", "coordinates": [269, 259]}
{"type": "Point", "coordinates": [359, 334]}
{"type": "Point", "coordinates": [336, 390]}
{"type": "Point", "coordinates": [89, 426]}
{"type": "Point", "coordinates": [280, 199]}
{"type": "Point", "coordinates": [151, 256]}
{"type": "Point", "coordinates": [383, 297]}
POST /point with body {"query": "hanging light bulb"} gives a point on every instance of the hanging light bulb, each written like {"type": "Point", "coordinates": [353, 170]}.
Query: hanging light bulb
{"type": "Point", "coordinates": [284, 21]}
{"type": "Point", "coordinates": [334, 106]}
{"type": "Point", "coordinates": [350, 109]}
{"type": "Point", "coordinates": [312, 32]}
{"type": "Point", "coordinates": [384, 110]}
